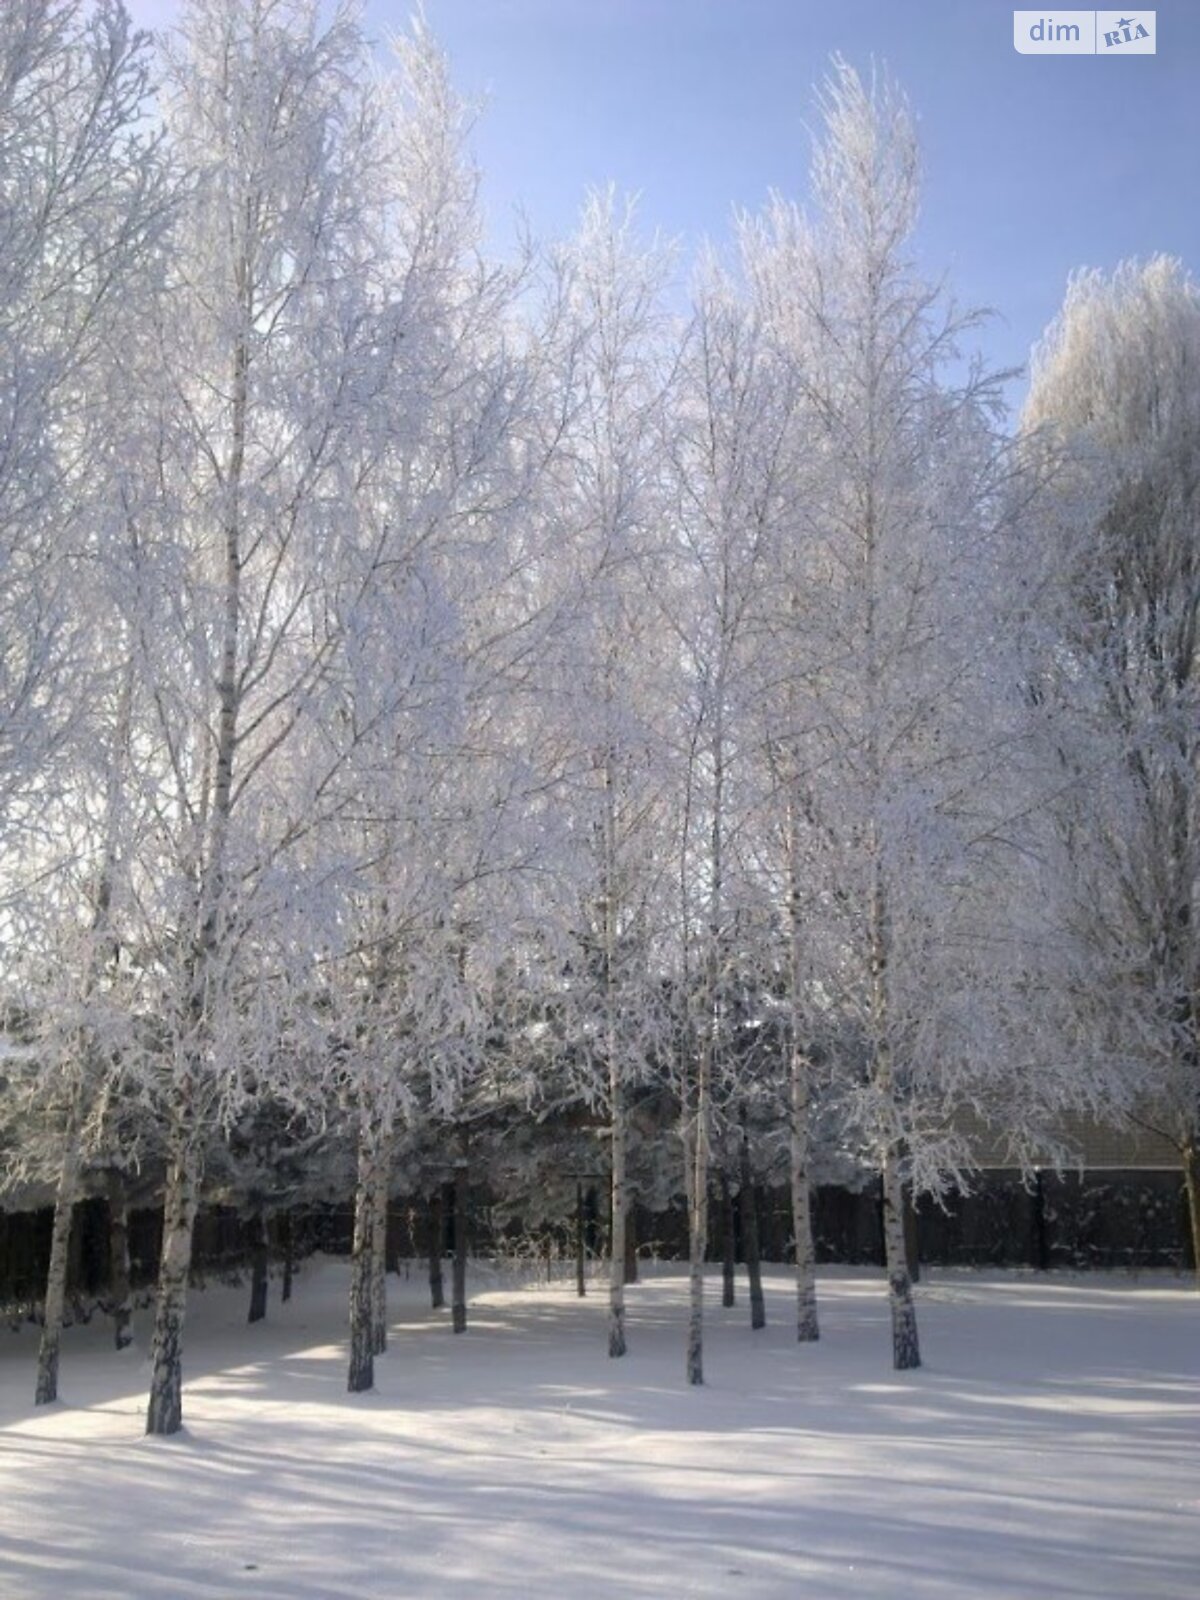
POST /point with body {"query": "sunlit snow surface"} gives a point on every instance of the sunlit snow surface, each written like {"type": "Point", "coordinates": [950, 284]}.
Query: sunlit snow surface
{"type": "Point", "coordinates": [1047, 1449]}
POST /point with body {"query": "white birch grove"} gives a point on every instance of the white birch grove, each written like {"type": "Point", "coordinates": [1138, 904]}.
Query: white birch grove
{"type": "Point", "coordinates": [459, 723]}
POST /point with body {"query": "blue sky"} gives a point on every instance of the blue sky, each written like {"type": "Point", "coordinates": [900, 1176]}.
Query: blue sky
{"type": "Point", "coordinates": [1034, 164]}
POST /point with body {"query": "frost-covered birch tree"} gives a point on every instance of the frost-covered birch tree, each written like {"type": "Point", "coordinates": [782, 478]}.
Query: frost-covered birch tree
{"type": "Point", "coordinates": [886, 570]}
{"type": "Point", "coordinates": [270, 361]}
{"type": "Point", "coordinates": [435, 648]}
{"type": "Point", "coordinates": [606, 490]}
{"type": "Point", "coordinates": [727, 439]}
{"type": "Point", "coordinates": [1113, 571]}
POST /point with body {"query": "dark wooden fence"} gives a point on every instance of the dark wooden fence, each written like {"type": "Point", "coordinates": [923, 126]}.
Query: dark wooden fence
{"type": "Point", "coordinates": [1100, 1220]}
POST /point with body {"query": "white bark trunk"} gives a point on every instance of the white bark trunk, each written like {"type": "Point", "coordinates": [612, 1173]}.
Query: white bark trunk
{"type": "Point", "coordinates": [800, 1077]}
{"type": "Point", "coordinates": [164, 1414]}
{"type": "Point", "coordinates": [807, 1324]}
{"type": "Point", "coordinates": [616, 1086]}
{"type": "Point", "coordinates": [698, 1217]}
{"type": "Point", "coordinates": [906, 1350]}
{"type": "Point", "coordinates": [616, 1263]}
{"type": "Point", "coordinates": [56, 1277]}
{"type": "Point", "coordinates": [710, 1038]}
{"type": "Point", "coordinates": [697, 1241]}
{"type": "Point", "coordinates": [362, 1363]}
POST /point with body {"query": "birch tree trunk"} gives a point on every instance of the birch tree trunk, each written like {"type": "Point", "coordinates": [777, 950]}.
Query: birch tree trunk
{"type": "Point", "coordinates": [259, 1260]}
{"type": "Point", "coordinates": [616, 1261]}
{"type": "Point", "coordinates": [697, 1246]}
{"type": "Point", "coordinates": [362, 1349]}
{"type": "Point", "coordinates": [164, 1414]}
{"type": "Point", "coordinates": [617, 1265]}
{"type": "Point", "coordinates": [748, 1198]}
{"type": "Point", "coordinates": [436, 1223]}
{"type": "Point", "coordinates": [697, 1150]}
{"type": "Point", "coordinates": [709, 1044]}
{"type": "Point", "coordinates": [56, 1277]}
{"type": "Point", "coordinates": [808, 1327]}
{"type": "Point", "coordinates": [906, 1350]}
{"type": "Point", "coordinates": [120, 1294]}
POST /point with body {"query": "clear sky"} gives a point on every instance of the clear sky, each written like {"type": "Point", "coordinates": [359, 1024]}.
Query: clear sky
{"type": "Point", "coordinates": [1034, 164]}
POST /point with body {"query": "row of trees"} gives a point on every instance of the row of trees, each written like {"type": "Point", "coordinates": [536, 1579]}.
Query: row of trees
{"type": "Point", "coordinates": [437, 692]}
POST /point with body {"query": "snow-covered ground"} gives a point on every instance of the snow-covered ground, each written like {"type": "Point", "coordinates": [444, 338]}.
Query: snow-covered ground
{"type": "Point", "coordinates": [1047, 1449]}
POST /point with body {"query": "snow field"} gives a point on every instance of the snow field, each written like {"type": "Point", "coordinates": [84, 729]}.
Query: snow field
{"type": "Point", "coordinates": [1046, 1450]}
